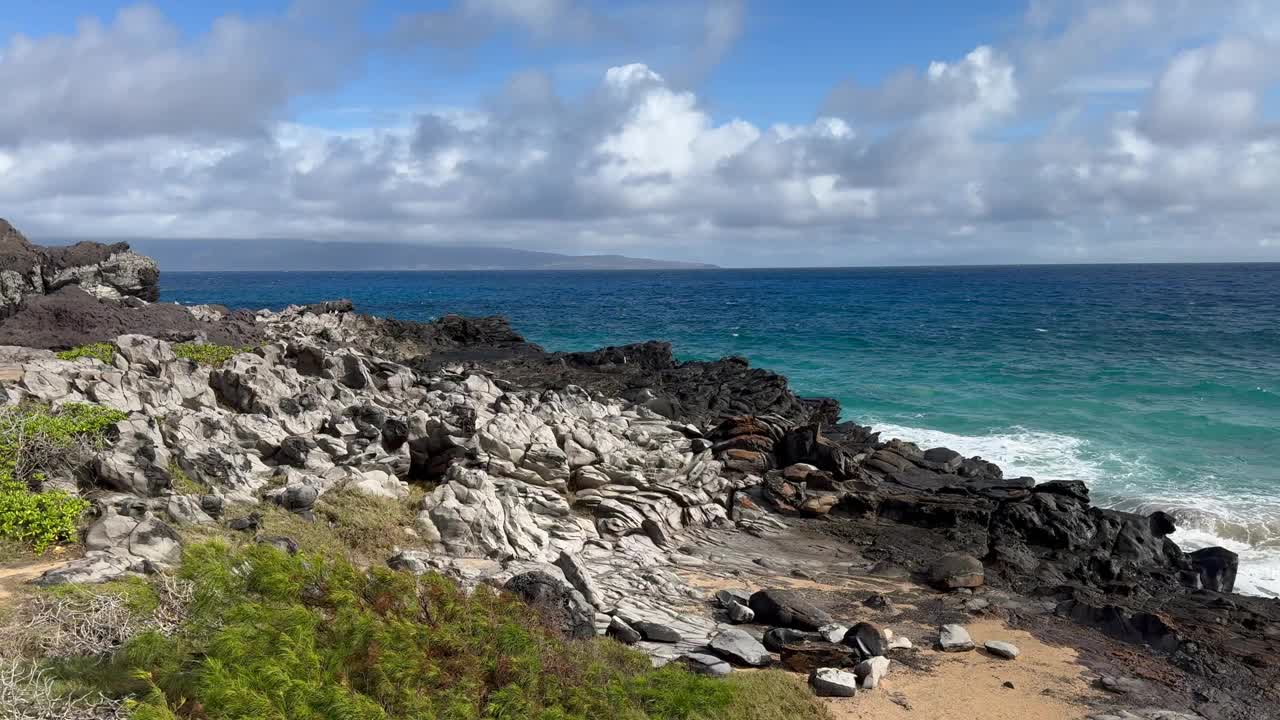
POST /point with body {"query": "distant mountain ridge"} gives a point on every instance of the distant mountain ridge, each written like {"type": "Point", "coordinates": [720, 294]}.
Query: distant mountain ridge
{"type": "Point", "coordinates": [213, 255]}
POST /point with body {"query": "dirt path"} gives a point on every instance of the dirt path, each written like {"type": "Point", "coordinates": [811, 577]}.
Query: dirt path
{"type": "Point", "coordinates": [13, 575]}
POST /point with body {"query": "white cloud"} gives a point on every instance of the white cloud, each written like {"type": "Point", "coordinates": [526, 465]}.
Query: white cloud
{"type": "Point", "coordinates": [986, 157]}
{"type": "Point", "coordinates": [138, 75]}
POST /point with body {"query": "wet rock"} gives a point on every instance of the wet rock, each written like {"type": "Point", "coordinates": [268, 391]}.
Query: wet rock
{"type": "Point", "coordinates": [786, 608]}
{"type": "Point", "coordinates": [738, 646]}
{"type": "Point", "coordinates": [833, 682]}
{"type": "Point", "coordinates": [956, 570]}
{"type": "Point", "coordinates": [1216, 568]}
{"type": "Point", "coordinates": [954, 638]}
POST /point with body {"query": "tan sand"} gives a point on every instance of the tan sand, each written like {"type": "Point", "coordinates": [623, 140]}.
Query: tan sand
{"type": "Point", "coordinates": [13, 576]}
{"type": "Point", "coordinates": [1048, 684]}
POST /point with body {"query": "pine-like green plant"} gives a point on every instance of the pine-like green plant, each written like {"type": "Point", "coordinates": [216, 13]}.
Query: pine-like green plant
{"type": "Point", "coordinates": [282, 637]}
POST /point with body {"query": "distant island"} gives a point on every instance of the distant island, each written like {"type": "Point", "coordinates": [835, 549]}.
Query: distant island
{"type": "Point", "coordinates": [213, 255]}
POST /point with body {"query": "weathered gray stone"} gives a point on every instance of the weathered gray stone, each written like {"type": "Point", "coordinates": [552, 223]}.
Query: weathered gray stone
{"type": "Point", "coordinates": [1001, 649]}
{"type": "Point", "coordinates": [739, 613]}
{"type": "Point", "coordinates": [833, 682]}
{"type": "Point", "coordinates": [705, 664]}
{"type": "Point", "coordinates": [954, 638]}
{"type": "Point", "coordinates": [622, 632]}
{"type": "Point", "coordinates": [871, 671]}
{"type": "Point", "coordinates": [738, 646]}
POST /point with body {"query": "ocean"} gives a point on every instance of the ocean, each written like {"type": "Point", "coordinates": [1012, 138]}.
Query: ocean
{"type": "Point", "coordinates": [1159, 385]}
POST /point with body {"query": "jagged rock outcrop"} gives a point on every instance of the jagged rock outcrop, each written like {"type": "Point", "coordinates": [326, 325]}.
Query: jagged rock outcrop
{"type": "Point", "coordinates": [106, 271]}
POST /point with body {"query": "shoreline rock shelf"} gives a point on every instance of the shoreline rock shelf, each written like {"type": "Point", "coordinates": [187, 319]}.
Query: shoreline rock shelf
{"type": "Point", "coordinates": [616, 487]}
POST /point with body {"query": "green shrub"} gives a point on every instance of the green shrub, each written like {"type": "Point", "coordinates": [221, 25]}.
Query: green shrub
{"type": "Point", "coordinates": [33, 442]}
{"type": "Point", "coordinates": [103, 351]}
{"type": "Point", "coordinates": [39, 518]}
{"type": "Point", "coordinates": [275, 636]}
{"type": "Point", "coordinates": [208, 354]}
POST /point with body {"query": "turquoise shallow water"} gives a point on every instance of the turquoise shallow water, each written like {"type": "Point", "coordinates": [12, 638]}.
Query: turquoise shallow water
{"type": "Point", "coordinates": [1157, 384]}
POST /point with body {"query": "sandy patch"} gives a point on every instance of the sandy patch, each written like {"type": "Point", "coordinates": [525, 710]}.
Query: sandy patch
{"type": "Point", "coordinates": [13, 576]}
{"type": "Point", "coordinates": [1048, 684]}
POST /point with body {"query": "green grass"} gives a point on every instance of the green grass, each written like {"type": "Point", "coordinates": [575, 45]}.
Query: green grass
{"type": "Point", "coordinates": [139, 595]}
{"type": "Point", "coordinates": [182, 483]}
{"type": "Point", "coordinates": [32, 439]}
{"type": "Point", "coordinates": [305, 637]}
{"type": "Point", "coordinates": [208, 354]}
{"type": "Point", "coordinates": [103, 352]}
{"type": "Point", "coordinates": [770, 695]}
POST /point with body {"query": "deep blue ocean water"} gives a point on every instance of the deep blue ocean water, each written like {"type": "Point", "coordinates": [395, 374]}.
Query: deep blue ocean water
{"type": "Point", "coordinates": [1157, 384]}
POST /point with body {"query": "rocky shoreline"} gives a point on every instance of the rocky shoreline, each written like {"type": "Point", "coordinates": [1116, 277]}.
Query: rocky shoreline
{"type": "Point", "coordinates": [700, 510]}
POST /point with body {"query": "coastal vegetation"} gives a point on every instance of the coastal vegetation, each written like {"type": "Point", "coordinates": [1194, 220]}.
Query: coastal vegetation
{"type": "Point", "coordinates": [255, 632]}
{"type": "Point", "coordinates": [102, 351]}
{"type": "Point", "coordinates": [208, 354]}
{"type": "Point", "coordinates": [37, 443]}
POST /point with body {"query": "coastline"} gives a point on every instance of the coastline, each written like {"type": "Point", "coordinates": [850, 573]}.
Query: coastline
{"type": "Point", "coordinates": [648, 483]}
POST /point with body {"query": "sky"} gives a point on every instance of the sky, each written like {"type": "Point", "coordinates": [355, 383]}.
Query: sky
{"type": "Point", "coordinates": [737, 132]}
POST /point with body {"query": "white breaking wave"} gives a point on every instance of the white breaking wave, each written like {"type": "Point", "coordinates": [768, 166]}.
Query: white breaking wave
{"type": "Point", "coordinates": [1243, 525]}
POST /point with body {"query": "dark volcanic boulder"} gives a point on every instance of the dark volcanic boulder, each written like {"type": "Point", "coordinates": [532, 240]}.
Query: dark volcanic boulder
{"type": "Point", "coordinates": [786, 608]}
{"type": "Point", "coordinates": [1216, 568]}
{"type": "Point", "coordinates": [696, 392]}
{"type": "Point", "coordinates": [956, 570]}
{"type": "Point", "coordinates": [564, 607]}
{"type": "Point", "coordinates": [106, 271]}
{"type": "Point", "coordinates": [808, 445]}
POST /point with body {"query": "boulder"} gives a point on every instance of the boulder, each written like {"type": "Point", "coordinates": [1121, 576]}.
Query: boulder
{"type": "Point", "coordinates": [807, 655]}
{"type": "Point", "coordinates": [833, 682]}
{"type": "Point", "coordinates": [1002, 649]}
{"type": "Point", "coordinates": [776, 638]}
{"type": "Point", "coordinates": [871, 671]}
{"type": "Point", "coordinates": [739, 613]}
{"type": "Point", "coordinates": [622, 632]}
{"type": "Point", "coordinates": [957, 570]}
{"type": "Point", "coordinates": [866, 639]}
{"type": "Point", "coordinates": [787, 608]}
{"type": "Point", "coordinates": [954, 638]}
{"type": "Point", "coordinates": [577, 574]}
{"type": "Point", "coordinates": [657, 632]}
{"type": "Point", "coordinates": [704, 664]}
{"type": "Point", "coordinates": [738, 646]}
{"type": "Point", "coordinates": [1216, 568]}
{"type": "Point", "coordinates": [563, 606]}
